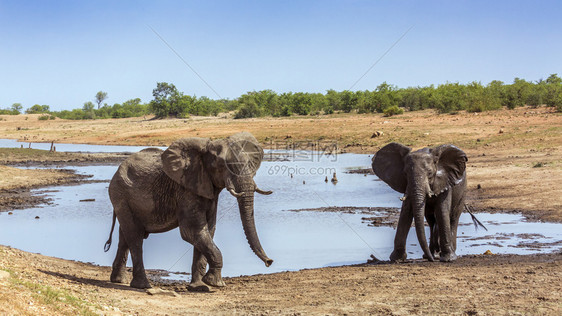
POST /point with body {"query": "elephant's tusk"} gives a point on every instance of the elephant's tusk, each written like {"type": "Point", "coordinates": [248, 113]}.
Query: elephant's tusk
{"type": "Point", "coordinates": [234, 193]}
{"type": "Point", "coordinates": [403, 198]}
{"type": "Point", "coordinates": [260, 191]}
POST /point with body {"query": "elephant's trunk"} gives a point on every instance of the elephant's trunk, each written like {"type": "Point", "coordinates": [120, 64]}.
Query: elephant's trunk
{"type": "Point", "coordinates": [246, 205]}
{"type": "Point", "coordinates": [418, 206]}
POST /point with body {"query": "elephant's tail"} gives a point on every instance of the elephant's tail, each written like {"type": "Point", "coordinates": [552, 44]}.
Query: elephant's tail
{"type": "Point", "coordinates": [474, 219]}
{"type": "Point", "coordinates": [108, 242]}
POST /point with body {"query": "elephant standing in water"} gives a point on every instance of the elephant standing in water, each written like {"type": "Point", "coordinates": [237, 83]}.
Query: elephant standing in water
{"type": "Point", "coordinates": [154, 191]}
{"type": "Point", "coordinates": [434, 183]}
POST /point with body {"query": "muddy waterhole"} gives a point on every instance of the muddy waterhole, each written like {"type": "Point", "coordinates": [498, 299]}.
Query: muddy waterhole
{"type": "Point", "coordinates": [77, 230]}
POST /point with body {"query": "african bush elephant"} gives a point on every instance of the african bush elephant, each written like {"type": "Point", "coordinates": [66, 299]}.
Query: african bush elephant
{"type": "Point", "coordinates": [154, 191]}
{"type": "Point", "coordinates": [434, 183]}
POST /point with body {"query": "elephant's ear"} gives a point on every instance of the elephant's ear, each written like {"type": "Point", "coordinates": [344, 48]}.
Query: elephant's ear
{"type": "Point", "coordinates": [450, 167]}
{"type": "Point", "coordinates": [244, 154]}
{"type": "Point", "coordinates": [183, 163]}
{"type": "Point", "coordinates": [388, 165]}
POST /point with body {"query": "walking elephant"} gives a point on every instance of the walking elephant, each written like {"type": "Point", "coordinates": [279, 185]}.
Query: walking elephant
{"type": "Point", "coordinates": [154, 191]}
{"type": "Point", "coordinates": [434, 183]}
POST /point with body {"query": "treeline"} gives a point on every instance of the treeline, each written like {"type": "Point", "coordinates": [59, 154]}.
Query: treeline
{"type": "Point", "coordinates": [388, 99]}
{"type": "Point", "coordinates": [168, 101]}
{"type": "Point", "coordinates": [130, 108]}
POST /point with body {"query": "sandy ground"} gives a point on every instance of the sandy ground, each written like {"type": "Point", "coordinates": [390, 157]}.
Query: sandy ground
{"type": "Point", "coordinates": [514, 166]}
{"type": "Point", "coordinates": [473, 285]}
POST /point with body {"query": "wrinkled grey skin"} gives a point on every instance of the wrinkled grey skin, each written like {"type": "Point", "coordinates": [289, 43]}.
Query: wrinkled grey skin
{"type": "Point", "coordinates": [154, 191]}
{"type": "Point", "coordinates": [434, 183]}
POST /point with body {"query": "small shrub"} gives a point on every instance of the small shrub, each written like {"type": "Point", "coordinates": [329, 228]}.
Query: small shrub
{"type": "Point", "coordinates": [393, 110]}
{"type": "Point", "coordinates": [46, 117]}
{"type": "Point", "coordinates": [539, 165]}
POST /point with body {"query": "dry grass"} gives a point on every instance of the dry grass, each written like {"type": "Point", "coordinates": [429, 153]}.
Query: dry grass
{"type": "Point", "coordinates": [473, 285]}
{"type": "Point", "coordinates": [13, 178]}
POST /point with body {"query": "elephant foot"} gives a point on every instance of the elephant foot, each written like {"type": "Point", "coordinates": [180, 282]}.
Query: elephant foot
{"type": "Point", "coordinates": [398, 255]}
{"type": "Point", "coordinates": [448, 257]}
{"type": "Point", "coordinates": [213, 278]}
{"type": "Point", "coordinates": [198, 286]}
{"type": "Point", "coordinates": [435, 254]}
{"type": "Point", "coordinates": [140, 283]}
{"type": "Point", "coordinates": [117, 276]}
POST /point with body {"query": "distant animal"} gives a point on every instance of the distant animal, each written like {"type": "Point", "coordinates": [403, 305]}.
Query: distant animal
{"type": "Point", "coordinates": [334, 178]}
{"type": "Point", "coordinates": [154, 191]}
{"type": "Point", "coordinates": [434, 183]}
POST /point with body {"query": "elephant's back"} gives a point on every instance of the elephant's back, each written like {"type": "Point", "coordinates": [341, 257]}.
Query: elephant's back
{"type": "Point", "coordinates": [138, 170]}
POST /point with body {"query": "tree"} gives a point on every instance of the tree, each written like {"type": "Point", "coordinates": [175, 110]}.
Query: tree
{"type": "Point", "coordinates": [348, 101]}
{"type": "Point", "coordinates": [37, 109]}
{"type": "Point", "coordinates": [16, 108]}
{"type": "Point", "coordinates": [302, 103]}
{"type": "Point", "coordinates": [553, 95]}
{"type": "Point", "coordinates": [537, 93]}
{"type": "Point", "coordinates": [248, 106]}
{"type": "Point", "coordinates": [517, 93]}
{"type": "Point", "coordinates": [166, 100]}
{"type": "Point", "coordinates": [100, 97]}
{"type": "Point", "coordinates": [88, 110]}
{"type": "Point", "coordinates": [449, 97]}
{"type": "Point", "coordinates": [334, 100]}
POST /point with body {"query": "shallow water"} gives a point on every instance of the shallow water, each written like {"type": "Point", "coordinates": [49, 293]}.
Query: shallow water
{"type": "Point", "coordinates": [12, 143]}
{"type": "Point", "coordinates": [295, 240]}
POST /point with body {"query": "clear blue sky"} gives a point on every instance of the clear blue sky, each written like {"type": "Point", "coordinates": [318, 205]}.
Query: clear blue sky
{"type": "Point", "coordinates": [60, 53]}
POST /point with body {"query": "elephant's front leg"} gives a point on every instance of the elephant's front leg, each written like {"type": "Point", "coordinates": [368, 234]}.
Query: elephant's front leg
{"type": "Point", "coordinates": [195, 229]}
{"type": "Point", "coordinates": [205, 245]}
{"type": "Point", "coordinates": [404, 223]}
{"type": "Point", "coordinates": [442, 214]}
{"type": "Point", "coordinates": [199, 265]}
{"type": "Point", "coordinates": [434, 234]}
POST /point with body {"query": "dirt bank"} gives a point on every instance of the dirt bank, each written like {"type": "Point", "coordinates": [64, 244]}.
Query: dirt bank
{"type": "Point", "coordinates": [15, 185]}
{"type": "Point", "coordinates": [36, 157]}
{"type": "Point", "coordinates": [474, 285]}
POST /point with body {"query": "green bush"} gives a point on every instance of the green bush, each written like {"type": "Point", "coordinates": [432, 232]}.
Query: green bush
{"type": "Point", "coordinates": [393, 110]}
{"type": "Point", "coordinates": [248, 111]}
{"type": "Point", "coordinates": [46, 117]}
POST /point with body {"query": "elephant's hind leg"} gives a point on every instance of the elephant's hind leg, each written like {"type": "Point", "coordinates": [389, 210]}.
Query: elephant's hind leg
{"type": "Point", "coordinates": [119, 271]}
{"type": "Point", "coordinates": [134, 238]}
{"type": "Point", "coordinates": [139, 275]}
